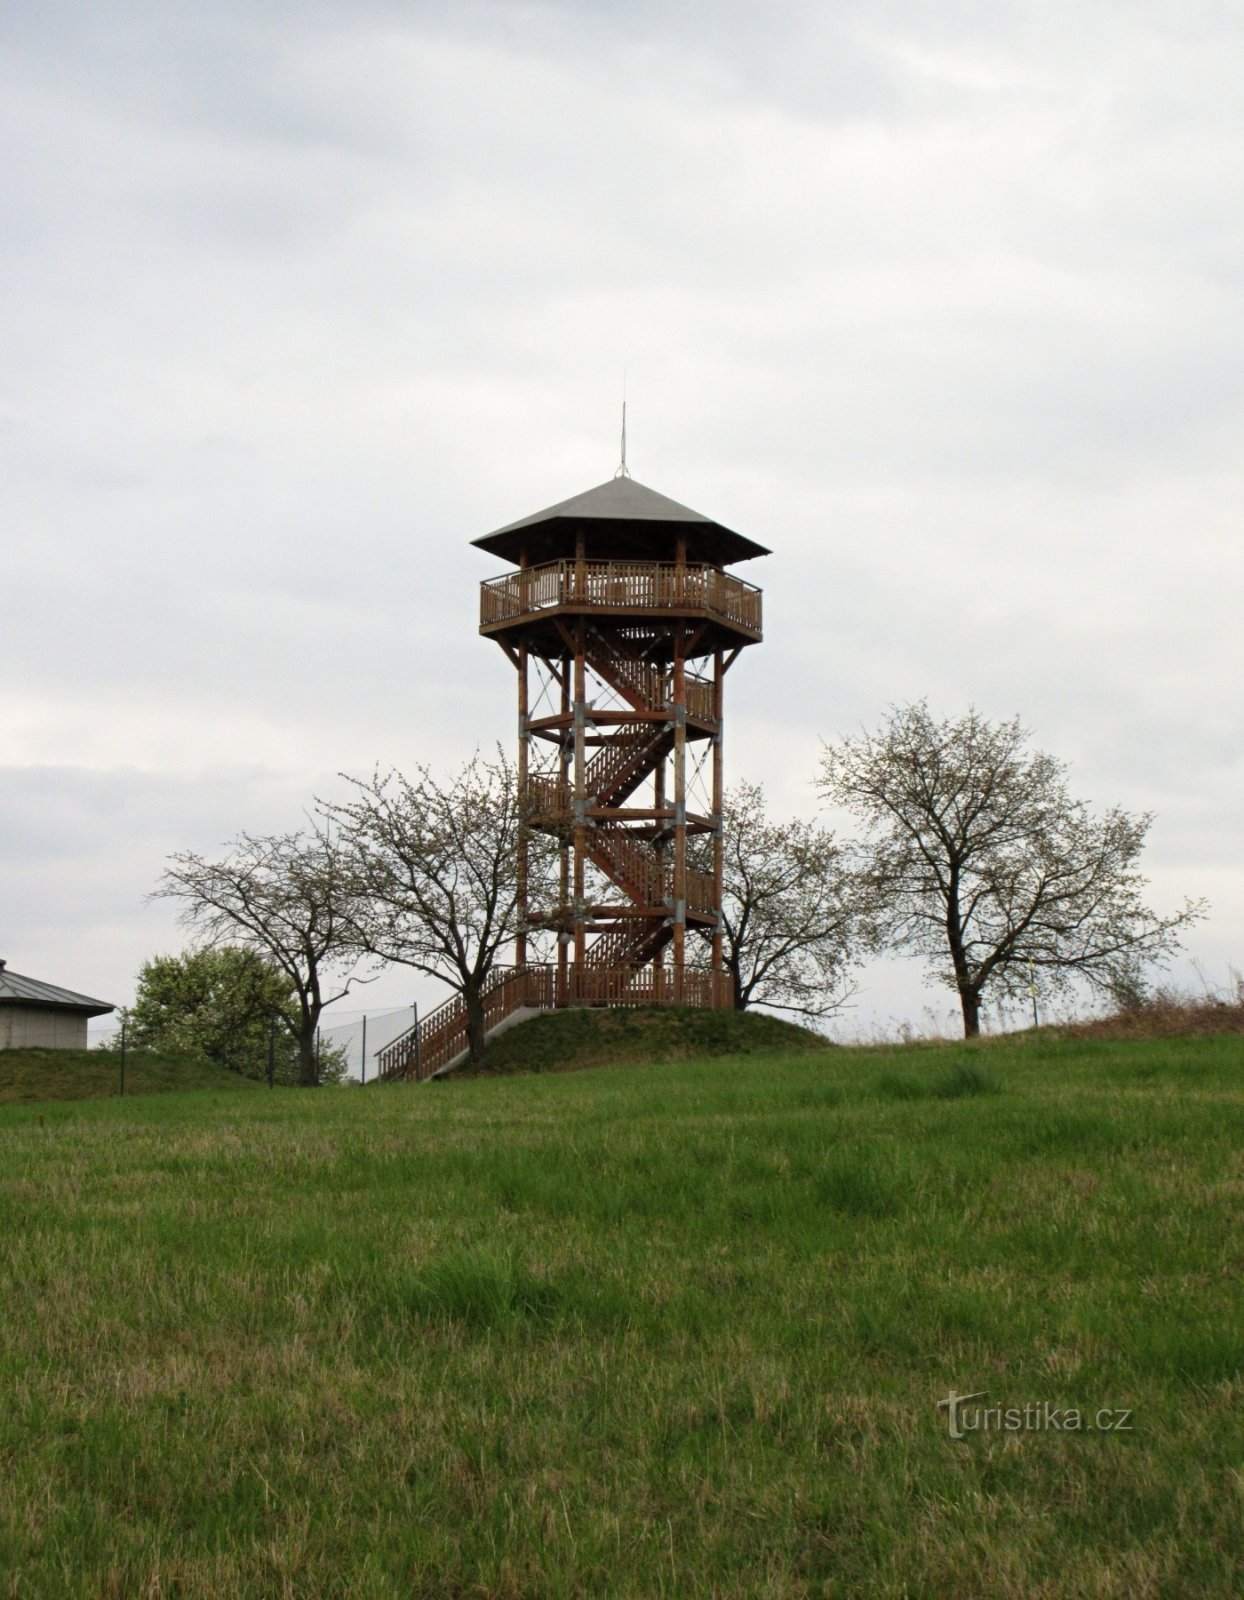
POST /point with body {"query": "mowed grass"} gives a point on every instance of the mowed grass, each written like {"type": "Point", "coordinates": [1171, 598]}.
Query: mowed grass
{"type": "Point", "coordinates": [675, 1330]}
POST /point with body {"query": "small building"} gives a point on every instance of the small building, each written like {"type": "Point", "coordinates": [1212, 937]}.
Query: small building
{"type": "Point", "coordinates": [40, 1015]}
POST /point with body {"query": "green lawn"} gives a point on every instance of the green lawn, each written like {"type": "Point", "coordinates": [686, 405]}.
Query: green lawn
{"type": "Point", "coordinates": [27, 1076]}
{"type": "Point", "coordinates": [558, 1041]}
{"type": "Point", "coordinates": [671, 1330]}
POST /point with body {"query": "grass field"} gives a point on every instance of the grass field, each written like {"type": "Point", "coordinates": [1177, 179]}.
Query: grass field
{"type": "Point", "coordinates": [672, 1330]}
{"type": "Point", "coordinates": [31, 1076]}
{"type": "Point", "coordinates": [561, 1041]}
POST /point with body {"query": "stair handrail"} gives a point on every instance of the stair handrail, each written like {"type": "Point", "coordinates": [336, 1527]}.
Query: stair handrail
{"type": "Point", "coordinates": [442, 1033]}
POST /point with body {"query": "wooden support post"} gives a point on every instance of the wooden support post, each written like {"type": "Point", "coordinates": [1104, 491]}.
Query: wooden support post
{"type": "Point", "coordinates": [659, 851]}
{"type": "Point", "coordinates": [680, 814]}
{"type": "Point", "coordinates": [580, 566]}
{"type": "Point", "coordinates": [718, 801]}
{"type": "Point", "coordinates": [563, 851]}
{"type": "Point", "coordinates": [680, 772]}
{"type": "Point", "coordinates": [524, 808]}
{"type": "Point", "coordinates": [580, 793]}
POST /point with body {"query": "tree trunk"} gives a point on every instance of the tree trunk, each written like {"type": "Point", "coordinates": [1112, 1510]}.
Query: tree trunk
{"type": "Point", "coordinates": [969, 997]}
{"type": "Point", "coordinates": [308, 1075]}
{"type": "Point", "coordinates": [740, 997]}
{"type": "Point", "coordinates": [475, 1025]}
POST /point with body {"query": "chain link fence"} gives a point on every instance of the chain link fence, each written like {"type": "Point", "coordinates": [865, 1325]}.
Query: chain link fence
{"type": "Point", "coordinates": [357, 1037]}
{"type": "Point", "coordinates": [351, 1042]}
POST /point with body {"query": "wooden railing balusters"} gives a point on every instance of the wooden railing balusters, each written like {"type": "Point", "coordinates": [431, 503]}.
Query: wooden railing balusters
{"type": "Point", "coordinates": [625, 585]}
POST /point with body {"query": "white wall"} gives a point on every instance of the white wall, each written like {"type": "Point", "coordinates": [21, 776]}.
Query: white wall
{"type": "Point", "coordinates": [28, 1027]}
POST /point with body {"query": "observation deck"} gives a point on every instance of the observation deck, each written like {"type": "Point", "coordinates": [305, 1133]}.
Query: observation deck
{"type": "Point", "coordinates": [728, 608]}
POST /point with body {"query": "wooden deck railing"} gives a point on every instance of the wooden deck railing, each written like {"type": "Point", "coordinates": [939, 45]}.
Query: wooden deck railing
{"type": "Point", "coordinates": [620, 586]}
{"type": "Point", "coordinates": [701, 892]}
{"type": "Point", "coordinates": [648, 986]}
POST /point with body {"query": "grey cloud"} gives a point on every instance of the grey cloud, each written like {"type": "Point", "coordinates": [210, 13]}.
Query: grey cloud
{"type": "Point", "coordinates": [938, 302]}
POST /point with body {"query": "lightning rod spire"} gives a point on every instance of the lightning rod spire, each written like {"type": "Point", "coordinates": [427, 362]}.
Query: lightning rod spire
{"type": "Point", "coordinates": [623, 470]}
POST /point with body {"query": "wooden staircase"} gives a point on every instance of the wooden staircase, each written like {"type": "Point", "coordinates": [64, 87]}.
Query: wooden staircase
{"type": "Point", "coordinates": [618, 768]}
{"type": "Point", "coordinates": [618, 972]}
{"type": "Point", "coordinates": [618, 657]}
{"type": "Point", "coordinates": [634, 855]}
{"type": "Point", "coordinates": [439, 1041]}
{"type": "Point", "coordinates": [631, 862]}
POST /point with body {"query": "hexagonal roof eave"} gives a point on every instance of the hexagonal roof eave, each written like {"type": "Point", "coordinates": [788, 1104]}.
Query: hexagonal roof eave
{"type": "Point", "coordinates": [623, 501]}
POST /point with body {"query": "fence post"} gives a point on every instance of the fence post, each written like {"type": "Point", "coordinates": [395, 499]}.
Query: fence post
{"type": "Point", "coordinates": [364, 1050]}
{"type": "Point", "coordinates": [123, 1058]}
{"type": "Point", "coordinates": [271, 1050]}
{"type": "Point", "coordinates": [415, 1009]}
{"type": "Point", "coordinates": [317, 1058]}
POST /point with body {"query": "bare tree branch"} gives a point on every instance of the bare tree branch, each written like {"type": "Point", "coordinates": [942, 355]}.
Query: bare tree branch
{"type": "Point", "coordinates": [434, 868]}
{"type": "Point", "coordinates": [286, 896]}
{"type": "Point", "coordinates": [793, 910]}
{"type": "Point", "coordinates": [978, 852]}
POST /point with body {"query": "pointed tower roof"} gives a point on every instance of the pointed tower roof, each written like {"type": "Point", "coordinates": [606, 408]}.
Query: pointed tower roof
{"type": "Point", "coordinates": [621, 520]}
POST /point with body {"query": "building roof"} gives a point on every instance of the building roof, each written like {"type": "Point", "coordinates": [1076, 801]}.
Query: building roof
{"type": "Point", "coordinates": [18, 990]}
{"type": "Point", "coordinates": [622, 519]}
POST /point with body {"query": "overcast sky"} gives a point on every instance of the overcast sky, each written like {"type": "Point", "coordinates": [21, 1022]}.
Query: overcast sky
{"type": "Point", "coordinates": [941, 303]}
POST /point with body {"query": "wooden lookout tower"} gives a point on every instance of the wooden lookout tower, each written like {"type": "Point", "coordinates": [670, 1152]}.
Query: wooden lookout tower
{"type": "Point", "coordinates": [622, 621]}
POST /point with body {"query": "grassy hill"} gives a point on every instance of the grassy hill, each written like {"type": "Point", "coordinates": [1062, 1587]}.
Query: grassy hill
{"type": "Point", "coordinates": [677, 1330]}
{"type": "Point", "coordinates": [559, 1041]}
{"type": "Point", "coordinates": [27, 1076]}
